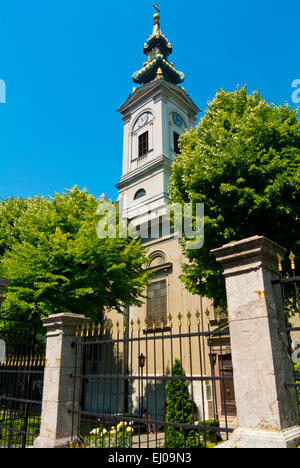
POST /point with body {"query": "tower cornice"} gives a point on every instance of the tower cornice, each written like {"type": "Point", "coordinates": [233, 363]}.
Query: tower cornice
{"type": "Point", "coordinates": [153, 89]}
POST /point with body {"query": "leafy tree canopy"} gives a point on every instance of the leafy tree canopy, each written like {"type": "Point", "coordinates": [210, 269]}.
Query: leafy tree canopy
{"type": "Point", "coordinates": [56, 263]}
{"type": "Point", "coordinates": [243, 163]}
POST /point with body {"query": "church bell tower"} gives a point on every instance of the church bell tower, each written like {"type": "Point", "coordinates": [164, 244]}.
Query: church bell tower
{"type": "Point", "coordinates": [156, 113]}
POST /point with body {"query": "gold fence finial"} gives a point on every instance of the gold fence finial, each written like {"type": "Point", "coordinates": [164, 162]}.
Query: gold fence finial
{"type": "Point", "coordinates": [87, 334]}
{"type": "Point", "coordinates": [179, 320]}
{"type": "Point", "coordinates": [93, 330]}
{"type": "Point", "coordinates": [154, 323]}
{"type": "Point", "coordinates": [292, 259]}
{"type": "Point", "coordinates": [139, 324]}
{"type": "Point", "coordinates": [170, 320]}
{"type": "Point", "coordinates": [99, 329]}
{"type": "Point", "coordinates": [198, 317]}
{"type": "Point", "coordinates": [131, 326]}
{"type": "Point", "coordinates": [189, 316]}
{"type": "Point", "coordinates": [118, 327]}
{"type": "Point", "coordinates": [207, 313]}
{"type": "Point", "coordinates": [279, 262]}
{"type": "Point", "coordinates": [82, 331]}
{"type": "Point", "coordinates": [146, 323]}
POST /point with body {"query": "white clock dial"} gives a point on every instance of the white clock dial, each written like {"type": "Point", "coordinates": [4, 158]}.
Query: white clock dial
{"type": "Point", "coordinates": [143, 120]}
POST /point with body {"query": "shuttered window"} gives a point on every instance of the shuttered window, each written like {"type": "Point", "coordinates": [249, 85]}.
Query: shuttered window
{"type": "Point", "coordinates": [143, 144]}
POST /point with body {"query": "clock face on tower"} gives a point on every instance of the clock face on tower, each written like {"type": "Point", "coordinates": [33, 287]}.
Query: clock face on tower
{"type": "Point", "coordinates": [177, 120]}
{"type": "Point", "coordinates": [143, 120]}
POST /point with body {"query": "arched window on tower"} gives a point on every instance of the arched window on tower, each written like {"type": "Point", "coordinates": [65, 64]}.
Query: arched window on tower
{"type": "Point", "coordinates": [140, 194]}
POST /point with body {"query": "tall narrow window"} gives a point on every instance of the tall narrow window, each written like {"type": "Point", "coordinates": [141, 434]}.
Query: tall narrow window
{"type": "Point", "coordinates": [157, 303]}
{"type": "Point", "coordinates": [143, 144]}
{"type": "Point", "coordinates": [176, 143]}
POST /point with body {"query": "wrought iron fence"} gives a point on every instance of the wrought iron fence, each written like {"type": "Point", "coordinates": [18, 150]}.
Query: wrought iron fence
{"type": "Point", "coordinates": [21, 384]}
{"type": "Point", "coordinates": [163, 387]}
{"type": "Point", "coordinates": [289, 286]}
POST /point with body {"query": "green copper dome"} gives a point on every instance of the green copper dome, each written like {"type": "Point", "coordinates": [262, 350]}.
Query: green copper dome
{"type": "Point", "coordinates": [158, 49]}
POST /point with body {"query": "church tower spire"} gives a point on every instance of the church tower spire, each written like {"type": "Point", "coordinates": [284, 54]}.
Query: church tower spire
{"type": "Point", "coordinates": [158, 48]}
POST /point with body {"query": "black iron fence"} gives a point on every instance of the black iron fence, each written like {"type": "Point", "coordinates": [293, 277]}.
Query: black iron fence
{"type": "Point", "coordinates": [21, 384]}
{"type": "Point", "coordinates": [289, 286]}
{"type": "Point", "coordinates": [163, 387]}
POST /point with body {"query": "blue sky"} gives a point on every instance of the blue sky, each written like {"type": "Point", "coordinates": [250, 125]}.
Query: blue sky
{"type": "Point", "coordinates": [67, 65]}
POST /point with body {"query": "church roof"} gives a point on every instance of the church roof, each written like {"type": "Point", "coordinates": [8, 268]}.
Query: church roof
{"type": "Point", "coordinates": [158, 49]}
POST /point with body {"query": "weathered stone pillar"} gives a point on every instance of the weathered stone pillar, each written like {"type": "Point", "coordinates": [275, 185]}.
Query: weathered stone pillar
{"type": "Point", "coordinates": [267, 411]}
{"type": "Point", "coordinates": [61, 391]}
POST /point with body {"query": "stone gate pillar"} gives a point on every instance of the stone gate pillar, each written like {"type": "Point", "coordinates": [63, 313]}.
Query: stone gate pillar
{"type": "Point", "coordinates": [61, 391]}
{"type": "Point", "coordinates": [267, 411]}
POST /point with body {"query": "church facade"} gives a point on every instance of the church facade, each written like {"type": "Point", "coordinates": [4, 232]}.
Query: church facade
{"type": "Point", "coordinates": [154, 116]}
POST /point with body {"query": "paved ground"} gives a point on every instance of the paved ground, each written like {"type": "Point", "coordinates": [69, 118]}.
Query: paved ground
{"type": "Point", "coordinates": [148, 440]}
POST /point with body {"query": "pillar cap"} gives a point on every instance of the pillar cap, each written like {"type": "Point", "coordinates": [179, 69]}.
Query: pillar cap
{"type": "Point", "coordinates": [249, 254]}
{"type": "Point", "coordinates": [65, 321]}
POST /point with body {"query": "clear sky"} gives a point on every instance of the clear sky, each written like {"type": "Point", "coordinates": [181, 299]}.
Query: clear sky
{"type": "Point", "coordinates": [67, 65]}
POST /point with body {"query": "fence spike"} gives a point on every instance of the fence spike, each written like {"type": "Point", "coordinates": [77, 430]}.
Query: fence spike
{"type": "Point", "coordinates": [179, 320]}
{"type": "Point", "coordinates": [82, 331]}
{"type": "Point", "coordinates": [207, 313]}
{"type": "Point", "coordinates": [93, 330]}
{"type": "Point", "coordinates": [189, 316]}
{"type": "Point", "coordinates": [292, 259]}
{"type": "Point", "coordinates": [87, 334]}
{"type": "Point", "coordinates": [162, 322]}
{"type": "Point", "coordinates": [279, 262]}
{"type": "Point", "coordinates": [131, 326]}
{"type": "Point", "coordinates": [139, 324]}
{"type": "Point", "coordinates": [154, 324]}
{"type": "Point", "coordinates": [146, 324]}
{"type": "Point", "coordinates": [170, 320]}
{"type": "Point", "coordinates": [99, 329]}
{"type": "Point", "coordinates": [198, 318]}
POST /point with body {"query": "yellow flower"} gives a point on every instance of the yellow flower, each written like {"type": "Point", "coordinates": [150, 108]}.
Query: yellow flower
{"type": "Point", "coordinates": [113, 432]}
{"type": "Point", "coordinates": [129, 429]}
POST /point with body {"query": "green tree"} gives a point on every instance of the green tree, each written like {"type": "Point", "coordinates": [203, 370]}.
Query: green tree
{"type": "Point", "coordinates": [56, 263]}
{"type": "Point", "coordinates": [180, 409]}
{"type": "Point", "coordinates": [243, 163]}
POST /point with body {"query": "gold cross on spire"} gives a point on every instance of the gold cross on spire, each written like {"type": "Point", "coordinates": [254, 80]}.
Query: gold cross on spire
{"type": "Point", "coordinates": [156, 8]}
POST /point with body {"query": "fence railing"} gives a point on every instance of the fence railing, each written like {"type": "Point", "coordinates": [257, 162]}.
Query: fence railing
{"type": "Point", "coordinates": [145, 388]}
{"type": "Point", "coordinates": [290, 295]}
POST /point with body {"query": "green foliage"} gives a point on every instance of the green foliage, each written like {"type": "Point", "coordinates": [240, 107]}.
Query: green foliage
{"type": "Point", "coordinates": [180, 409]}
{"type": "Point", "coordinates": [56, 262]}
{"type": "Point", "coordinates": [243, 163]}
{"type": "Point", "coordinates": [208, 434]}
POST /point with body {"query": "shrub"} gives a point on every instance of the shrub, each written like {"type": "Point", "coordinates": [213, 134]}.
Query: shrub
{"type": "Point", "coordinates": [180, 409]}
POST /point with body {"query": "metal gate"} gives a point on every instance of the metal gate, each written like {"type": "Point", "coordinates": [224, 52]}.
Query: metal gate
{"type": "Point", "coordinates": [291, 332]}
{"type": "Point", "coordinates": [152, 385]}
{"type": "Point", "coordinates": [21, 384]}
